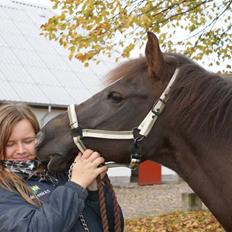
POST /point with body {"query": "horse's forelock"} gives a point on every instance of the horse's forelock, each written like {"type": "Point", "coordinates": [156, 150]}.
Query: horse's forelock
{"type": "Point", "coordinates": [128, 68]}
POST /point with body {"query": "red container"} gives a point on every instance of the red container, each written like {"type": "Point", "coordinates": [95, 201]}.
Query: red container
{"type": "Point", "coordinates": [149, 173]}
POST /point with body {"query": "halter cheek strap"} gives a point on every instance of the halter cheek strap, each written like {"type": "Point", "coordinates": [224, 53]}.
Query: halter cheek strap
{"type": "Point", "coordinates": [137, 134]}
{"type": "Point", "coordinates": [74, 125]}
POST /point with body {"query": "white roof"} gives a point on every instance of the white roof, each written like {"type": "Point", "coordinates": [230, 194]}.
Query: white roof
{"type": "Point", "coordinates": [36, 70]}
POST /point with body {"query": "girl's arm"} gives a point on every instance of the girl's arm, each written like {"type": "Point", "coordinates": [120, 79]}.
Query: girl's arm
{"type": "Point", "coordinates": [59, 213]}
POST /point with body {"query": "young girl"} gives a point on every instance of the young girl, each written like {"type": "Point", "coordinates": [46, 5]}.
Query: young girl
{"type": "Point", "coordinates": [33, 200]}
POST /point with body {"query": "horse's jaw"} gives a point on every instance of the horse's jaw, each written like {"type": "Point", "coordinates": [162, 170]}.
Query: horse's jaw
{"type": "Point", "coordinates": [57, 164]}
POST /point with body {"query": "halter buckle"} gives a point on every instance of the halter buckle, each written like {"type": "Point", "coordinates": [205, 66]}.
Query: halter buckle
{"type": "Point", "coordinates": [136, 155]}
{"type": "Point", "coordinates": [134, 163]}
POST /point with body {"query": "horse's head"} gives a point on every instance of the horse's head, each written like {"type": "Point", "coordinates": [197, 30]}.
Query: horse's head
{"type": "Point", "coordinates": [134, 88]}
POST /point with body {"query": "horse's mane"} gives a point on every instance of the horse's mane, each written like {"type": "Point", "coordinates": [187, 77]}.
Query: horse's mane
{"type": "Point", "coordinates": [200, 101]}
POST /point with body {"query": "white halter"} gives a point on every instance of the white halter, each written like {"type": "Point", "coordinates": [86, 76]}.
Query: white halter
{"type": "Point", "coordinates": [143, 129]}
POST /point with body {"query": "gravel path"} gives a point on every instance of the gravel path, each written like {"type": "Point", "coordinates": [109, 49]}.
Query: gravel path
{"type": "Point", "coordinates": [139, 201]}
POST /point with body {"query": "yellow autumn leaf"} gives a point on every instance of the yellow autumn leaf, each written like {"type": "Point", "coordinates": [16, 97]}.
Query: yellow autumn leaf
{"type": "Point", "coordinates": [185, 22]}
{"type": "Point", "coordinates": [127, 50]}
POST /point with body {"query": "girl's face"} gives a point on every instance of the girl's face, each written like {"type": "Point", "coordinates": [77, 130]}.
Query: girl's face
{"type": "Point", "coordinates": [21, 144]}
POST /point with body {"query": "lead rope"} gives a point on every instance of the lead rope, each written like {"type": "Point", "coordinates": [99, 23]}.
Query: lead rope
{"type": "Point", "coordinates": [117, 210]}
{"type": "Point", "coordinates": [102, 204]}
{"type": "Point", "coordinates": [82, 219]}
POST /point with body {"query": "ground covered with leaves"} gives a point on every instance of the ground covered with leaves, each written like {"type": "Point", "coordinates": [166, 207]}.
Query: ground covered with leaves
{"type": "Point", "coordinates": [194, 221]}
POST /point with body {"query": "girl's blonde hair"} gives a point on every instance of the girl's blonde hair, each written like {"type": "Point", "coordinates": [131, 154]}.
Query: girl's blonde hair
{"type": "Point", "coordinates": [10, 115]}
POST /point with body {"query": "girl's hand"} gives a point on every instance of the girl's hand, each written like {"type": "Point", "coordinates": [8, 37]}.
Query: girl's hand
{"type": "Point", "coordinates": [86, 168]}
{"type": "Point", "coordinates": [93, 186]}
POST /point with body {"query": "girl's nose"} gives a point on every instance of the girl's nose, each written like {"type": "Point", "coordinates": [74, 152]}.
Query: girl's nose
{"type": "Point", "coordinates": [20, 148]}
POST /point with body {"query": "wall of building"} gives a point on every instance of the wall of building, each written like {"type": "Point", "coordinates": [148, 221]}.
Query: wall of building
{"type": "Point", "coordinates": [46, 114]}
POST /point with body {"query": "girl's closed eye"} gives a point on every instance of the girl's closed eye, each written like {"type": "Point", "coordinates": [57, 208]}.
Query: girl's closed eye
{"type": "Point", "coordinates": [10, 144]}
{"type": "Point", "coordinates": [29, 140]}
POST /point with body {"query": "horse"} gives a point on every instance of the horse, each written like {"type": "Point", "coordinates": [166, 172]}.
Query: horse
{"type": "Point", "coordinates": [191, 133]}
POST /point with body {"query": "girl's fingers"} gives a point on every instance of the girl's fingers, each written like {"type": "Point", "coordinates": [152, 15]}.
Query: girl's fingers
{"type": "Point", "coordinates": [78, 157]}
{"type": "Point", "coordinates": [102, 169]}
{"type": "Point", "coordinates": [87, 153]}
{"type": "Point", "coordinates": [94, 156]}
{"type": "Point", "coordinates": [98, 161]}
{"type": "Point", "coordinates": [90, 157]}
{"type": "Point", "coordinates": [104, 172]}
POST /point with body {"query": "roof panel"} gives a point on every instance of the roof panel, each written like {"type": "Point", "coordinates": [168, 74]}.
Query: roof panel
{"type": "Point", "coordinates": [2, 42]}
{"type": "Point", "coordinates": [2, 77]}
{"type": "Point", "coordinates": [34, 69]}
{"type": "Point", "coordinates": [42, 76]}
{"type": "Point", "coordinates": [19, 14]}
{"type": "Point", "coordinates": [57, 95]}
{"type": "Point", "coordinates": [3, 14]}
{"type": "Point", "coordinates": [16, 41]}
{"type": "Point", "coordinates": [79, 95]}
{"type": "Point", "coordinates": [60, 50]}
{"type": "Point", "coordinates": [7, 56]}
{"type": "Point", "coordinates": [28, 28]}
{"type": "Point", "coordinates": [15, 73]}
{"type": "Point", "coordinates": [29, 92]}
{"type": "Point", "coordinates": [41, 45]}
{"type": "Point", "coordinates": [67, 78]}
{"type": "Point", "coordinates": [7, 25]}
{"type": "Point", "coordinates": [29, 58]}
{"type": "Point", "coordinates": [7, 92]}
{"type": "Point", "coordinates": [53, 61]}
{"type": "Point", "coordinates": [38, 15]}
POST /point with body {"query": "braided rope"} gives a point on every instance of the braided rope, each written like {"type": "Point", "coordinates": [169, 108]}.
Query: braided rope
{"type": "Point", "coordinates": [117, 211]}
{"type": "Point", "coordinates": [102, 204]}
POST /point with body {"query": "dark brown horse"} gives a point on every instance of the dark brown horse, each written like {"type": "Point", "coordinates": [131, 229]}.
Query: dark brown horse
{"type": "Point", "coordinates": [191, 136]}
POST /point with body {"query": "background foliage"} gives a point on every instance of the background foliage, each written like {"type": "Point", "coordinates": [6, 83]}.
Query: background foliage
{"type": "Point", "coordinates": [194, 221]}
{"type": "Point", "coordinates": [197, 28]}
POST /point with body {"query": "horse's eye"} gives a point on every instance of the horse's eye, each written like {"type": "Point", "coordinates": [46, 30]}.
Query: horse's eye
{"type": "Point", "coordinates": [115, 96]}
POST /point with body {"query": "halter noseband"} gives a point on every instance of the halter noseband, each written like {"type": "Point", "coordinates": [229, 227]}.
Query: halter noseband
{"type": "Point", "coordinates": [137, 134]}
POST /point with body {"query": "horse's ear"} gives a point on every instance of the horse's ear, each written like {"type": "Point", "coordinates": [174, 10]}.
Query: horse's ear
{"type": "Point", "coordinates": [154, 55]}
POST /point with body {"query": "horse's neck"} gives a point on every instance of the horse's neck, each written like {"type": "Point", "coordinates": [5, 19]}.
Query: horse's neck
{"type": "Point", "coordinates": [209, 173]}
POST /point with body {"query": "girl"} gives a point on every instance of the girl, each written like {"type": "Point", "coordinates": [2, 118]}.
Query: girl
{"type": "Point", "coordinates": [33, 200]}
